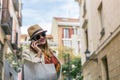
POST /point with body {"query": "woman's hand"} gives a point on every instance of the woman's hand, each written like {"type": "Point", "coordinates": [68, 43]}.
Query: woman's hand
{"type": "Point", "coordinates": [34, 45]}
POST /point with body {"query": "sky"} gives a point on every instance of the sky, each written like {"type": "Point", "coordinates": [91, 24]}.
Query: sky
{"type": "Point", "coordinates": [42, 12]}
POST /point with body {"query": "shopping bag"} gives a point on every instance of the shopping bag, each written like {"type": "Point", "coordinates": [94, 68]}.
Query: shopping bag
{"type": "Point", "coordinates": [39, 71]}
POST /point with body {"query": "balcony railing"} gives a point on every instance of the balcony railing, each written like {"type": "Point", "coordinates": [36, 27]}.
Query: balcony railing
{"type": "Point", "coordinates": [6, 22]}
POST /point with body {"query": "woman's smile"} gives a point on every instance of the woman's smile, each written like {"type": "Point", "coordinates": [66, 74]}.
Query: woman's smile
{"type": "Point", "coordinates": [42, 40]}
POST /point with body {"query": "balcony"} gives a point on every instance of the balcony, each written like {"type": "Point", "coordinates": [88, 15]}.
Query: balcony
{"type": "Point", "coordinates": [14, 46]}
{"type": "Point", "coordinates": [6, 22]}
{"type": "Point", "coordinates": [16, 4]}
{"type": "Point", "coordinates": [15, 42]}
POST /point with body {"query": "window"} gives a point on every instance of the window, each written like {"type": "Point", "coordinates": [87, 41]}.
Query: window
{"type": "Point", "coordinates": [84, 8]}
{"type": "Point", "coordinates": [0, 4]}
{"type": "Point", "coordinates": [0, 46]}
{"type": "Point", "coordinates": [67, 43]}
{"type": "Point", "coordinates": [105, 71]}
{"type": "Point", "coordinates": [1, 50]}
{"type": "Point", "coordinates": [79, 46]}
{"type": "Point", "coordinates": [86, 35]}
{"type": "Point", "coordinates": [16, 38]}
{"type": "Point", "coordinates": [100, 11]}
{"type": "Point", "coordinates": [75, 31]}
{"type": "Point", "coordinates": [26, 39]}
{"type": "Point", "coordinates": [86, 38]}
{"type": "Point", "coordinates": [66, 32]}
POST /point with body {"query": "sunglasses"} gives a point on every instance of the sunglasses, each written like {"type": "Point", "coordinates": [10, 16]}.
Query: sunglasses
{"type": "Point", "coordinates": [38, 36]}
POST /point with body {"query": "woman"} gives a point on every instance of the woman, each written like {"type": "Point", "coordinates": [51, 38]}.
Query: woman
{"type": "Point", "coordinates": [39, 51]}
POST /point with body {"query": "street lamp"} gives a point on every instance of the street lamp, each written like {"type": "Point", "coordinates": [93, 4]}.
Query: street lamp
{"type": "Point", "coordinates": [87, 54]}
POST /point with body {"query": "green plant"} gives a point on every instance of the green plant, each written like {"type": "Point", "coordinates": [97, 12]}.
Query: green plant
{"type": "Point", "coordinates": [72, 70]}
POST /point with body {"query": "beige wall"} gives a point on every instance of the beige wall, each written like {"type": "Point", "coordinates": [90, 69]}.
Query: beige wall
{"type": "Point", "coordinates": [111, 18]}
{"type": "Point", "coordinates": [60, 36]}
{"type": "Point", "coordinates": [95, 69]}
{"type": "Point", "coordinates": [112, 51]}
{"type": "Point", "coordinates": [107, 45]}
{"type": "Point", "coordinates": [54, 31]}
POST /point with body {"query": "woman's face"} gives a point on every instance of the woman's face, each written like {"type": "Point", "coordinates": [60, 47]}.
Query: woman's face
{"type": "Point", "coordinates": [40, 37]}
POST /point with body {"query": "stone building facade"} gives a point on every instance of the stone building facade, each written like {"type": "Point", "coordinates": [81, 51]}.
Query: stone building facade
{"type": "Point", "coordinates": [10, 22]}
{"type": "Point", "coordinates": [100, 35]}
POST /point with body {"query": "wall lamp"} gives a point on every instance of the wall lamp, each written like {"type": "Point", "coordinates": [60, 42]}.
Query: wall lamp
{"type": "Point", "coordinates": [87, 54]}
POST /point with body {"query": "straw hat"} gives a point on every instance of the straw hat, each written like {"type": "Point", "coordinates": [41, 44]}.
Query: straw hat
{"type": "Point", "coordinates": [35, 29]}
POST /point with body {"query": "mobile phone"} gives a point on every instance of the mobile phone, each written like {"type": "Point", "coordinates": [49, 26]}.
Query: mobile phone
{"type": "Point", "coordinates": [32, 41]}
